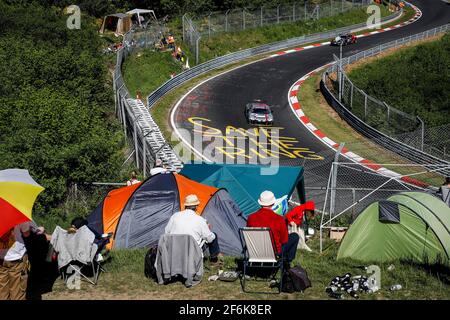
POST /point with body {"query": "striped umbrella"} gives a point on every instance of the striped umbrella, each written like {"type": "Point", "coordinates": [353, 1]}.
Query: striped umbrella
{"type": "Point", "coordinates": [18, 192]}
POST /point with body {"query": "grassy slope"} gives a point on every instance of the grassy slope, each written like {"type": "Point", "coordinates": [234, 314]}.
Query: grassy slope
{"type": "Point", "coordinates": [235, 41]}
{"type": "Point", "coordinates": [329, 122]}
{"type": "Point", "coordinates": [146, 70]}
{"type": "Point", "coordinates": [423, 93]}
{"type": "Point", "coordinates": [125, 280]}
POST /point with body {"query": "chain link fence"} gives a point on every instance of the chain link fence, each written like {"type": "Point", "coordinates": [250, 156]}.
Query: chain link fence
{"type": "Point", "coordinates": [397, 126]}
{"type": "Point", "coordinates": [213, 24]}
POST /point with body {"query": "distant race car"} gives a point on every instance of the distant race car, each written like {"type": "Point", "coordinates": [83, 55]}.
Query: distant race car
{"type": "Point", "coordinates": [258, 112]}
{"type": "Point", "coordinates": [344, 39]}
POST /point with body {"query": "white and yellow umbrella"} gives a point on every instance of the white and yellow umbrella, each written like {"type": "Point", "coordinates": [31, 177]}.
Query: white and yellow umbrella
{"type": "Point", "coordinates": [18, 192]}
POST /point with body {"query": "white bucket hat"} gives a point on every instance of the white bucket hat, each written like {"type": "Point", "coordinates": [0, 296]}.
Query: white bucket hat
{"type": "Point", "coordinates": [266, 199]}
{"type": "Point", "coordinates": [191, 200]}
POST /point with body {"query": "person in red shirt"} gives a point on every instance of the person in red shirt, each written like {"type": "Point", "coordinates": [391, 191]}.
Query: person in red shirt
{"type": "Point", "coordinates": [295, 220]}
{"type": "Point", "coordinates": [285, 243]}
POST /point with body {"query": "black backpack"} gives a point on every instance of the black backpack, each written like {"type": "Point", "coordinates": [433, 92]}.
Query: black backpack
{"type": "Point", "coordinates": [149, 263]}
{"type": "Point", "coordinates": [295, 279]}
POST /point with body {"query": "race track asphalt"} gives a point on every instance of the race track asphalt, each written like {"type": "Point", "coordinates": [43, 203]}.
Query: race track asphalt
{"type": "Point", "coordinates": [219, 103]}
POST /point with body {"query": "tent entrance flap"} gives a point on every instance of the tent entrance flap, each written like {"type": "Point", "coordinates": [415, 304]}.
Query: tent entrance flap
{"type": "Point", "coordinates": [388, 211]}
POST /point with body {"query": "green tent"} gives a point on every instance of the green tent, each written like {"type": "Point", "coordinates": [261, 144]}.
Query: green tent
{"type": "Point", "coordinates": [408, 225]}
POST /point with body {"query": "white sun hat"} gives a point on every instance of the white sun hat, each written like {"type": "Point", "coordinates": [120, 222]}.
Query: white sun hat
{"type": "Point", "coordinates": [267, 198]}
{"type": "Point", "coordinates": [191, 200]}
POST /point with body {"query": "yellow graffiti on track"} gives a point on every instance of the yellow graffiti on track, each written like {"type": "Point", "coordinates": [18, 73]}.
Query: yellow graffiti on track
{"type": "Point", "coordinates": [260, 142]}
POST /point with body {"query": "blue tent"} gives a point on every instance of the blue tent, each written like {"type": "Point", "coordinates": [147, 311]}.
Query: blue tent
{"type": "Point", "coordinates": [246, 182]}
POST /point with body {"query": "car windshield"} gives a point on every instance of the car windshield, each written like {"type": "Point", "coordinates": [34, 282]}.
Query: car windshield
{"type": "Point", "coordinates": [260, 111]}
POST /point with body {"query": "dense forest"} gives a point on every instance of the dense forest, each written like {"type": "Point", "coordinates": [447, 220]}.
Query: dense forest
{"type": "Point", "coordinates": [56, 103]}
{"type": "Point", "coordinates": [172, 8]}
{"type": "Point", "coordinates": [415, 80]}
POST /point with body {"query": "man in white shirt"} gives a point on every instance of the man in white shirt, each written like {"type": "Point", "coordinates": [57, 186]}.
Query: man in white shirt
{"type": "Point", "coordinates": [158, 168]}
{"type": "Point", "coordinates": [189, 222]}
{"type": "Point", "coordinates": [13, 261]}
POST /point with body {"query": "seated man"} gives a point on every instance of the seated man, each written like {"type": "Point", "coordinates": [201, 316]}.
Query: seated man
{"type": "Point", "coordinates": [285, 243]}
{"type": "Point", "coordinates": [158, 168]}
{"type": "Point", "coordinates": [189, 222]}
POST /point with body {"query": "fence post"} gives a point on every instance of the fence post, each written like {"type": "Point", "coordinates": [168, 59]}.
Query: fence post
{"type": "Point", "coordinates": [197, 49]}
{"type": "Point", "coordinates": [135, 143]}
{"type": "Point", "coordinates": [243, 19]}
{"type": "Point", "coordinates": [365, 106]}
{"type": "Point", "coordinates": [262, 16]}
{"type": "Point", "coordinates": [226, 20]}
{"type": "Point", "coordinates": [278, 14]}
{"type": "Point", "coordinates": [184, 28]}
{"type": "Point", "coordinates": [342, 5]}
{"type": "Point", "coordinates": [209, 26]}
{"type": "Point", "coordinates": [144, 157]}
{"type": "Point", "coordinates": [354, 207]}
{"type": "Point", "coordinates": [293, 12]}
{"type": "Point", "coordinates": [334, 178]}
{"type": "Point", "coordinates": [351, 95]}
{"type": "Point", "coordinates": [422, 132]}
{"type": "Point", "coordinates": [305, 11]}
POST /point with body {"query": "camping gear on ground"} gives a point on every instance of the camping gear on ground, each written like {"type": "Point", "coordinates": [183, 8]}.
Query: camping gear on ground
{"type": "Point", "coordinates": [18, 192]}
{"type": "Point", "coordinates": [408, 225]}
{"type": "Point", "coordinates": [396, 287]}
{"type": "Point", "coordinates": [179, 255]}
{"type": "Point", "coordinates": [149, 263]}
{"type": "Point", "coordinates": [228, 276]}
{"type": "Point", "coordinates": [337, 233]}
{"type": "Point", "coordinates": [340, 285]}
{"type": "Point", "coordinates": [138, 214]}
{"type": "Point", "coordinates": [119, 23]}
{"type": "Point", "coordinates": [78, 255]}
{"type": "Point", "coordinates": [295, 280]}
{"type": "Point", "coordinates": [260, 253]}
{"type": "Point", "coordinates": [245, 182]}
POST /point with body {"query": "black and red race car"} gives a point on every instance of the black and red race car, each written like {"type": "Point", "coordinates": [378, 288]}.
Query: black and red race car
{"type": "Point", "coordinates": [344, 39]}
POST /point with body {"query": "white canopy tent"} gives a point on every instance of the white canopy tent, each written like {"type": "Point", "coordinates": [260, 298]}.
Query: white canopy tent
{"type": "Point", "coordinates": [142, 17]}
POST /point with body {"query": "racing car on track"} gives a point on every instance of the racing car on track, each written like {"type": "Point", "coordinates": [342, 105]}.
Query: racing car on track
{"type": "Point", "coordinates": [258, 112]}
{"type": "Point", "coordinates": [344, 39]}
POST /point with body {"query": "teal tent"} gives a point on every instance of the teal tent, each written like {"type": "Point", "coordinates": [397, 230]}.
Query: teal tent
{"type": "Point", "coordinates": [246, 182]}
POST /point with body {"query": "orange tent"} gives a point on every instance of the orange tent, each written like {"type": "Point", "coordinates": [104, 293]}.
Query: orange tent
{"type": "Point", "coordinates": [138, 214]}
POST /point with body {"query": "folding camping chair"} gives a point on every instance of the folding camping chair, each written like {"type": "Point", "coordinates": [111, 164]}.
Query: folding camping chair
{"type": "Point", "coordinates": [79, 266]}
{"type": "Point", "coordinates": [260, 254]}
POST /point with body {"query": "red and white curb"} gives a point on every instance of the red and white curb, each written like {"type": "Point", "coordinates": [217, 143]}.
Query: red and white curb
{"type": "Point", "coordinates": [416, 17]}
{"type": "Point", "coordinates": [297, 109]}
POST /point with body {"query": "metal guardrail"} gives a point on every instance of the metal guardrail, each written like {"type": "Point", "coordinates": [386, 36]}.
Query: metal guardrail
{"type": "Point", "coordinates": [148, 141]}
{"type": "Point", "coordinates": [149, 144]}
{"type": "Point", "coordinates": [390, 143]}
